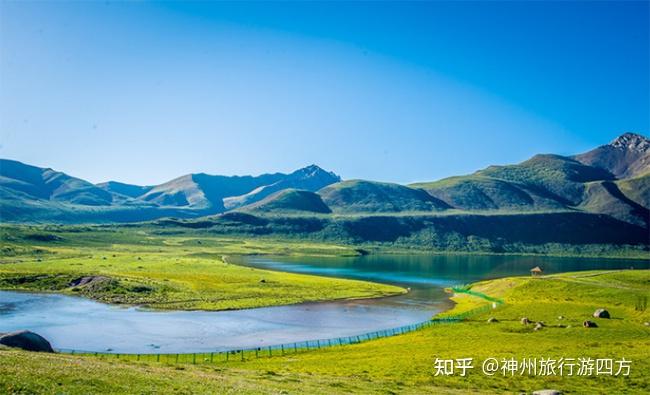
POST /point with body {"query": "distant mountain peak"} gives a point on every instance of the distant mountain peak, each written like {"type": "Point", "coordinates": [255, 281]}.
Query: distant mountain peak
{"type": "Point", "coordinates": [627, 156]}
{"type": "Point", "coordinates": [315, 170]}
{"type": "Point", "coordinates": [631, 141]}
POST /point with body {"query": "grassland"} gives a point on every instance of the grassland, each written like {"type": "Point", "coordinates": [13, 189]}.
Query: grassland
{"type": "Point", "coordinates": [404, 364]}
{"type": "Point", "coordinates": [164, 271]}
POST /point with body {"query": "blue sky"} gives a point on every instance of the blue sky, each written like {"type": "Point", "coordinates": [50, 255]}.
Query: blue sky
{"type": "Point", "coordinates": [143, 92]}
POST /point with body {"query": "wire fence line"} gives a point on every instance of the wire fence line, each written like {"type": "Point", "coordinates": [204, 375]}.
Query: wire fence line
{"type": "Point", "coordinates": [244, 354]}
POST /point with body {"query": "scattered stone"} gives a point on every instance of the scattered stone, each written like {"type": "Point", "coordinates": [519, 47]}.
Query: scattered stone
{"type": "Point", "coordinates": [525, 321]}
{"type": "Point", "coordinates": [92, 284]}
{"type": "Point", "coordinates": [547, 392]}
{"type": "Point", "coordinates": [538, 327]}
{"type": "Point", "coordinates": [589, 324]}
{"type": "Point", "coordinates": [541, 323]}
{"type": "Point", "coordinates": [262, 280]}
{"type": "Point", "coordinates": [26, 340]}
{"type": "Point", "coordinates": [560, 317]}
{"type": "Point", "coordinates": [88, 280]}
{"type": "Point", "coordinates": [646, 323]}
{"type": "Point", "coordinates": [492, 320]}
{"type": "Point", "coordinates": [601, 313]}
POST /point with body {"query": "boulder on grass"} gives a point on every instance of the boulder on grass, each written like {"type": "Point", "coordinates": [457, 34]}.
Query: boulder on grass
{"type": "Point", "coordinates": [492, 320]}
{"type": "Point", "coordinates": [601, 313]}
{"type": "Point", "coordinates": [26, 340]}
{"type": "Point", "coordinates": [547, 392]}
{"type": "Point", "coordinates": [589, 324]}
{"type": "Point", "coordinates": [525, 321]}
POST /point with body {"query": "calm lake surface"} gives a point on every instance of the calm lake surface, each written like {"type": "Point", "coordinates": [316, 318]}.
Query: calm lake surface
{"type": "Point", "coordinates": [80, 324]}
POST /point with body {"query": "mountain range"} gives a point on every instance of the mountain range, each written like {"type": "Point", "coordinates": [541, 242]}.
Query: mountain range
{"type": "Point", "coordinates": [612, 180]}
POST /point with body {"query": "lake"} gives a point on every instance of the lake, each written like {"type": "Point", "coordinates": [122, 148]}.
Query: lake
{"type": "Point", "coordinates": [75, 323]}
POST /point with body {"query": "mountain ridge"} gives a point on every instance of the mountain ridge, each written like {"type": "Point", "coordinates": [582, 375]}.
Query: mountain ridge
{"type": "Point", "coordinates": [612, 179]}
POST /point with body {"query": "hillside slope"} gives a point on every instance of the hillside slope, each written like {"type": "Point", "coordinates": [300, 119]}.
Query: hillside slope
{"type": "Point", "coordinates": [310, 178]}
{"type": "Point", "coordinates": [21, 181]}
{"type": "Point", "coordinates": [626, 156]}
{"type": "Point", "coordinates": [290, 200]}
{"type": "Point", "coordinates": [358, 196]}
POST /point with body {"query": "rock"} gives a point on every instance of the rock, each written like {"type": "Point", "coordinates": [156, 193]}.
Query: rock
{"type": "Point", "coordinates": [601, 313]}
{"type": "Point", "coordinates": [525, 321]}
{"type": "Point", "coordinates": [262, 280]}
{"type": "Point", "coordinates": [547, 392]}
{"type": "Point", "coordinates": [88, 280]}
{"type": "Point", "coordinates": [538, 327]}
{"type": "Point", "coordinates": [26, 340]}
{"type": "Point", "coordinates": [589, 324]}
{"type": "Point", "coordinates": [541, 323]}
{"type": "Point", "coordinates": [646, 323]}
{"type": "Point", "coordinates": [492, 320]}
{"type": "Point", "coordinates": [560, 317]}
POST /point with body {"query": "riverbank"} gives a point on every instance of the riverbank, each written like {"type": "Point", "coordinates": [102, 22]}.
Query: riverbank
{"type": "Point", "coordinates": [405, 363]}
{"type": "Point", "coordinates": [166, 272]}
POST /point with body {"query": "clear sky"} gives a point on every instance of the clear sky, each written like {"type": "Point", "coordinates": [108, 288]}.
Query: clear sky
{"type": "Point", "coordinates": [143, 92]}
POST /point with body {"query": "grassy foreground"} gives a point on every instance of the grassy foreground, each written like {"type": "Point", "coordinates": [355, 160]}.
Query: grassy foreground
{"type": "Point", "coordinates": [404, 364]}
{"type": "Point", "coordinates": [165, 271]}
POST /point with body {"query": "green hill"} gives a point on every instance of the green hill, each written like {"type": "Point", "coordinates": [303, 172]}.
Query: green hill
{"type": "Point", "coordinates": [478, 192]}
{"type": "Point", "coordinates": [637, 189]}
{"type": "Point", "coordinates": [310, 178]}
{"type": "Point", "coordinates": [358, 196]}
{"type": "Point", "coordinates": [290, 200]}
{"type": "Point", "coordinates": [21, 181]}
{"type": "Point", "coordinates": [605, 197]}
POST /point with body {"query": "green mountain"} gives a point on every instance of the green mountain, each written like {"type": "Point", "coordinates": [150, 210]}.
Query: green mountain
{"type": "Point", "coordinates": [34, 194]}
{"type": "Point", "coordinates": [310, 178]}
{"type": "Point", "coordinates": [545, 203]}
{"type": "Point", "coordinates": [290, 200]}
{"type": "Point", "coordinates": [127, 190]}
{"type": "Point", "coordinates": [593, 182]}
{"type": "Point", "coordinates": [542, 182]}
{"type": "Point", "coordinates": [19, 181]}
{"type": "Point", "coordinates": [358, 196]}
{"type": "Point", "coordinates": [636, 189]}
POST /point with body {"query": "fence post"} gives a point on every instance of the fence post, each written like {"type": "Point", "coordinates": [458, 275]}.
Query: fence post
{"type": "Point", "coordinates": [270, 352]}
{"type": "Point", "coordinates": [242, 355]}
{"type": "Point", "coordinates": [211, 357]}
{"type": "Point", "coordinates": [157, 357]}
{"type": "Point", "coordinates": [318, 344]}
{"type": "Point", "coordinates": [295, 347]}
{"type": "Point", "coordinates": [194, 358]}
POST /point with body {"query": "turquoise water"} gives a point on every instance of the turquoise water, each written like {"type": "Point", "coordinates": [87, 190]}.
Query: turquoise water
{"type": "Point", "coordinates": [81, 324]}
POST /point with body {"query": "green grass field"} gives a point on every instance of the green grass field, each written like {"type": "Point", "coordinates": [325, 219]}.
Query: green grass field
{"type": "Point", "coordinates": [405, 363]}
{"type": "Point", "coordinates": [166, 271]}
